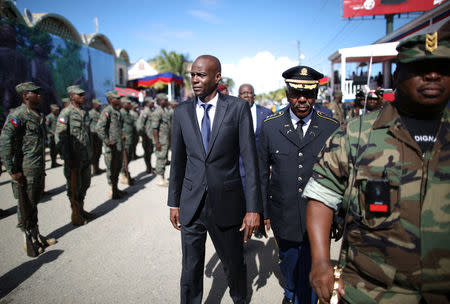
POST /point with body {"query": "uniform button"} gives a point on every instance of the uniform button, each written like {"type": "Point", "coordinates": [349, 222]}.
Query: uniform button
{"type": "Point", "coordinates": [270, 196]}
{"type": "Point", "coordinates": [300, 154]}
{"type": "Point", "coordinates": [277, 151]}
{"type": "Point", "coordinates": [300, 189]}
{"type": "Point", "coordinates": [300, 179]}
{"type": "Point", "coordinates": [300, 166]}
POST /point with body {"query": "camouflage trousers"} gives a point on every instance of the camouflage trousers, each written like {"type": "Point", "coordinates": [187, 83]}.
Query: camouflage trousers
{"type": "Point", "coordinates": [134, 145]}
{"type": "Point", "coordinates": [82, 180]}
{"type": "Point", "coordinates": [129, 153]}
{"type": "Point", "coordinates": [147, 145]}
{"type": "Point", "coordinates": [161, 159]}
{"type": "Point", "coordinates": [96, 149]}
{"type": "Point", "coordinates": [34, 187]}
{"type": "Point", "coordinates": [113, 162]}
{"type": "Point", "coordinates": [52, 146]}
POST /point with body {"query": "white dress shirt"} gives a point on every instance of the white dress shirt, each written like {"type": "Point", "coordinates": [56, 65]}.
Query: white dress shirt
{"type": "Point", "coordinates": [200, 111]}
{"type": "Point", "coordinates": [306, 120]}
{"type": "Point", "coordinates": [253, 111]}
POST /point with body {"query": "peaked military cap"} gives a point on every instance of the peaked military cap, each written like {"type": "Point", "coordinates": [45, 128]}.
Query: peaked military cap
{"type": "Point", "coordinates": [76, 89]}
{"type": "Point", "coordinates": [125, 100]}
{"type": "Point", "coordinates": [112, 94]}
{"type": "Point", "coordinates": [54, 106]}
{"type": "Point", "coordinates": [97, 101]}
{"type": "Point", "coordinates": [302, 78]}
{"type": "Point", "coordinates": [66, 100]}
{"type": "Point", "coordinates": [425, 47]}
{"type": "Point", "coordinates": [27, 87]}
{"type": "Point", "coordinates": [162, 96]}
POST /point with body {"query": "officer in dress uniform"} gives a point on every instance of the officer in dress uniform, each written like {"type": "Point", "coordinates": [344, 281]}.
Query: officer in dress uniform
{"type": "Point", "coordinates": [290, 141]}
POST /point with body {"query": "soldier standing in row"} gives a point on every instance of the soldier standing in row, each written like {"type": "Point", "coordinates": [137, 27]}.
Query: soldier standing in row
{"type": "Point", "coordinates": [22, 151]}
{"type": "Point", "coordinates": [390, 170]}
{"type": "Point", "coordinates": [66, 102]}
{"type": "Point", "coordinates": [135, 115]}
{"type": "Point", "coordinates": [109, 128]}
{"type": "Point", "coordinates": [94, 115]}
{"type": "Point", "coordinates": [50, 122]}
{"type": "Point", "coordinates": [74, 144]}
{"type": "Point", "coordinates": [161, 136]}
{"type": "Point", "coordinates": [128, 131]}
{"type": "Point", "coordinates": [337, 108]}
{"type": "Point", "coordinates": [144, 127]}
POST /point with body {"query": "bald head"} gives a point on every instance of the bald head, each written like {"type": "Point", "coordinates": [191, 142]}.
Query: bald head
{"type": "Point", "coordinates": [247, 92]}
{"type": "Point", "coordinates": [205, 76]}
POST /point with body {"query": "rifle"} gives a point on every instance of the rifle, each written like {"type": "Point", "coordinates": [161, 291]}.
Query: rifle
{"type": "Point", "coordinates": [33, 247]}
{"type": "Point", "coordinates": [125, 163]}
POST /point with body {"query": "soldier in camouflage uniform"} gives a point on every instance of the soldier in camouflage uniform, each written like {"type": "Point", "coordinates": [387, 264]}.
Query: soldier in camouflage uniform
{"type": "Point", "coordinates": [22, 151]}
{"type": "Point", "coordinates": [109, 128]}
{"type": "Point", "coordinates": [144, 128]}
{"type": "Point", "coordinates": [74, 144]}
{"type": "Point", "coordinates": [128, 131]}
{"type": "Point", "coordinates": [161, 137]}
{"type": "Point", "coordinates": [66, 102]}
{"type": "Point", "coordinates": [336, 107]}
{"type": "Point", "coordinates": [135, 115]}
{"type": "Point", "coordinates": [50, 122]}
{"type": "Point", "coordinates": [396, 186]}
{"type": "Point", "coordinates": [94, 115]}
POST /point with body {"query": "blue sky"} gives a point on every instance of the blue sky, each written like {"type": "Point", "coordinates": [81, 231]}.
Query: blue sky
{"type": "Point", "coordinates": [254, 40]}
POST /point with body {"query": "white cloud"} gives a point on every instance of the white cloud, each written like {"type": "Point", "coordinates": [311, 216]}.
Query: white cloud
{"type": "Point", "coordinates": [263, 72]}
{"type": "Point", "coordinates": [205, 16]}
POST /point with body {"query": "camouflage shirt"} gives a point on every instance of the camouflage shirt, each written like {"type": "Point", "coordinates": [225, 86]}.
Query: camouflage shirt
{"type": "Point", "coordinates": [72, 134]}
{"type": "Point", "coordinates": [93, 120]}
{"type": "Point", "coordinates": [109, 127]}
{"type": "Point", "coordinates": [50, 122]}
{"type": "Point", "coordinates": [146, 121]}
{"type": "Point", "coordinates": [161, 120]}
{"type": "Point", "coordinates": [22, 142]}
{"type": "Point", "coordinates": [338, 111]}
{"type": "Point", "coordinates": [407, 249]}
{"type": "Point", "coordinates": [129, 125]}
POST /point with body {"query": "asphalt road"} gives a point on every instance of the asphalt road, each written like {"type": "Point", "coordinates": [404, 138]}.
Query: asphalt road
{"type": "Point", "coordinates": [129, 254]}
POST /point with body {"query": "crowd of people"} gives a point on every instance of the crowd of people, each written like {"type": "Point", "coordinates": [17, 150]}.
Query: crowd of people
{"type": "Point", "coordinates": [377, 175]}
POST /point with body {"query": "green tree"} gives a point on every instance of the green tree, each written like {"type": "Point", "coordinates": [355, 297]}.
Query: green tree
{"type": "Point", "coordinates": [173, 62]}
{"type": "Point", "coordinates": [229, 82]}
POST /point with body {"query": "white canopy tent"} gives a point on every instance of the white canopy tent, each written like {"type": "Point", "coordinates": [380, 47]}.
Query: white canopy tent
{"type": "Point", "coordinates": [381, 52]}
{"type": "Point", "coordinates": [140, 69]}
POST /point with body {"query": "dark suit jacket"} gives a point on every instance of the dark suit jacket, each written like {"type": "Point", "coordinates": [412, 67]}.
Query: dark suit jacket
{"type": "Point", "coordinates": [193, 171]}
{"type": "Point", "coordinates": [261, 114]}
{"type": "Point", "coordinates": [292, 161]}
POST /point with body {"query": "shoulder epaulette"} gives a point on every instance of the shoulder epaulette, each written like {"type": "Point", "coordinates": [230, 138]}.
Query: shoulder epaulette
{"type": "Point", "coordinates": [323, 115]}
{"type": "Point", "coordinates": [274, 115]}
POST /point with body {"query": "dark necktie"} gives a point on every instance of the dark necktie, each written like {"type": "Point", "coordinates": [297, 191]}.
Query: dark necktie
{"type": "Point", "coordinates": [206, 126]}
{"type": "Point", "coordinates": [300, 124]}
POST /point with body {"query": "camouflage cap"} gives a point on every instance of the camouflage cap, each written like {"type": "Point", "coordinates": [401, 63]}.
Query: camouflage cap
{"type": "Point", "coordinates": [76, 89]}
{"type": "Point", "coordinates": [96, 101]}
{"type": "Point", "coordinates": [425, 47]}
{"type": "Point", "coordinates": [125, 100]}
{"type": "Point", "coordinates": [66, 100]}
{"type": "Point", "coordinates": [54, 106]}
{"type": "Point", "coordinates": [112, 94]}
{"type": "Point", "coordinates": [27, 87]}
{"type": "Point", "coordinates": [162, 96]}
{"type": "Point", "coordinates": [149, 99]}
{"type": "Point", "coordinates": [134, 104]}
{"type": "Point", "coordinates": [174, 102]}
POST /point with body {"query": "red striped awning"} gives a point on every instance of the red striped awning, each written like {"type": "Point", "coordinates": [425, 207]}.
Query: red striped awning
{"type": "Point", "coordinates": [129, 92]}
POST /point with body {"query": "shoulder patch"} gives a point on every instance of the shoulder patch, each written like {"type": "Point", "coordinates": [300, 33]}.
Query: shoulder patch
{"type": "Point", "coordinates": [46, 119]}
{"type": "Point", "coordinates": [14, 122]}
{"type": "Point", "coordinates": [322, 115]}
{"type": "Point", "coordinates": [106, 114]}
{"type": "Point", "coordinates": [61, 119]}
{"type": "Point", "coordinates": [274, 115]}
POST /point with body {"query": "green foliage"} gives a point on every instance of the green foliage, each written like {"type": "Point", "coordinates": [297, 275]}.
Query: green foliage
{"type": "Point", "coordinates": [68, 66]}
{"type": "Point", "coordinates": [229, 82]}
{"type": "Point", "coordinates": [174, 63]}
{"type": "Point", "coordinates": [274, 96]}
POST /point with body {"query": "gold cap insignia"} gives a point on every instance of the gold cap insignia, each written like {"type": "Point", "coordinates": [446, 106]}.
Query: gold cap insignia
{"type": "Point", "coordinates": [304, 72]}
{"type": "Point", "coordinates": [431, 42]}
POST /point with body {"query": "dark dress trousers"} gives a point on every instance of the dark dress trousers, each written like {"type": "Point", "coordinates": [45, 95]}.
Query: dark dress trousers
{"type": "Point", "coordinates": [292, 161]}
{"type": "Point", "coordinates": [207, 188]}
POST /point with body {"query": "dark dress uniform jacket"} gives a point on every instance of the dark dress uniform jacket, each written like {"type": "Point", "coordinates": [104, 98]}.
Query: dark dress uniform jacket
{"type": "Point", "coordinates": [292, 161]}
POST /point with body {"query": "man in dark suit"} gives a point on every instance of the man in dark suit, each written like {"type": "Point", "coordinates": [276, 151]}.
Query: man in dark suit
{"type": "Point", "coordinates": [258, 112]}
{"type": "Point", "coordinates": [205, 191]}
{"type": "Point", "coordinates": [290, 141]}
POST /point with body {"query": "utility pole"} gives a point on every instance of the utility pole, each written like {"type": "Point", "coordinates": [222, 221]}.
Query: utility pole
{"type": "Point", "coordinates": [299, 53]}
{"type": "Point", "coordinates": [387, 70]}
{"type": "Point", "coordinates": [96, 24]}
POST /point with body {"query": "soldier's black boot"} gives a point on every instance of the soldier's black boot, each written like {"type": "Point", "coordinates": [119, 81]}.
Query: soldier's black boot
{"type": "Point", "coordinates": [87, 215]}
{"type": "Point", "coordinates": [42, 240]}
{"type": "Point", "coordinates": [77, 218]}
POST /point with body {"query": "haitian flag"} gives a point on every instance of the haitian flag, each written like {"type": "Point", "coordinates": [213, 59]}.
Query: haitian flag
{"type": "Point", "coordinates": [165, 78]}
{"type": "Point", "coordinates": [14, 122]}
